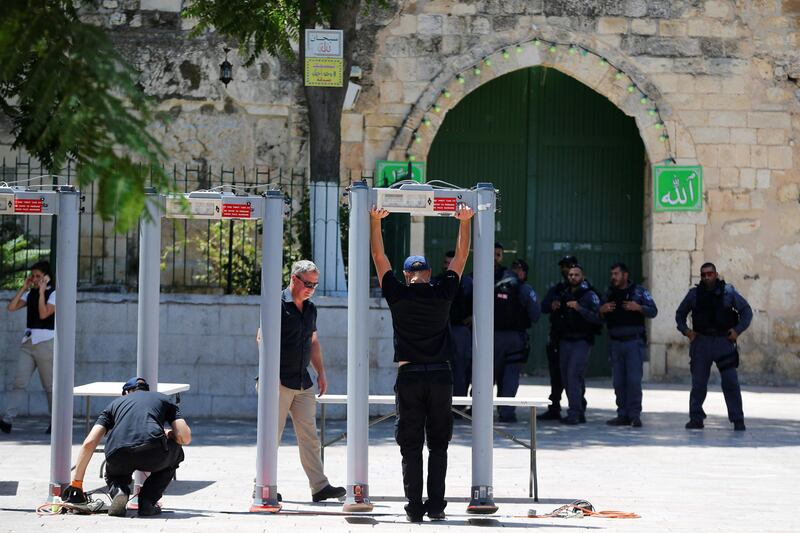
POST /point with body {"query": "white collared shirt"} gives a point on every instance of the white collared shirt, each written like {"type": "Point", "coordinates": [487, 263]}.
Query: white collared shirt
{"type": "Point", "coordinates": [36, 335]}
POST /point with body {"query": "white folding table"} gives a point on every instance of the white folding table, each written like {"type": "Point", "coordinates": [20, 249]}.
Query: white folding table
{"type": "Point", "coordinates": [458, 401]}
{"type": "Point", "coordinates": [114, 388]}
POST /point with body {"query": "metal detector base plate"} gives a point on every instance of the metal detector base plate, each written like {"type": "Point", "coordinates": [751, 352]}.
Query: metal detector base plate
{"type": "Point", "coordinates": [357, 507]}
{"type": "Point", "coordinates": [265, 508]}
{"type": "Point", "coordinates": [482, 508]}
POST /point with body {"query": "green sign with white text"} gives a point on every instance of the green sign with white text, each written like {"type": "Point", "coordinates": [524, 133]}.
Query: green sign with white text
{"type": "Point", "coordinates": [677, 188]}
{"type": "Point", "coordinates": [390, 172]}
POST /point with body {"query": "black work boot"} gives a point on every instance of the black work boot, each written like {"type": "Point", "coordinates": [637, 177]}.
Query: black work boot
{"type": "Point", "coordinates": [619, 421]}
{"type": "Point", "coordinates": [553, 413]}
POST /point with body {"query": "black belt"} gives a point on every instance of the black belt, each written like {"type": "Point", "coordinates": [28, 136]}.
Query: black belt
{"type": "Point", "coordinates": [713, 333]}
{"type": "Point", "coordinates": [423, 367]}
{"type": "Point", "coordinates": [623, 338]}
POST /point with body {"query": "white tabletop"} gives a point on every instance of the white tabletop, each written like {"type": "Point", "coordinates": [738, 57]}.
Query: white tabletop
{"type": "Point", "coordinates": [387, 399]}
{"type": "Point", "coordinates": [114, 388]}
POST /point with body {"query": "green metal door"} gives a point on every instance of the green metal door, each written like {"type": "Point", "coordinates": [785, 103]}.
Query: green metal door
{"type": "Point", "coordinates": [570, 169]}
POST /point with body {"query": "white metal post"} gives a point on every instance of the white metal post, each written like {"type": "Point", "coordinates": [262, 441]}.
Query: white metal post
{"type": "Point", "coordinates": [64, 347]}
{"type": "Point", "coordinates": [481, 497]}
{"type": "Point", "coordinates": [357, 499]}
{"type": "Point", "coordinates": [265, 495]}
{"type": "Point", "coordinates": [148, 309]}
{"type": "Point", "coordinates": [149, 291]}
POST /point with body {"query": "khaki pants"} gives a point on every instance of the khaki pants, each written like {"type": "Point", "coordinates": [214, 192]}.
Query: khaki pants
{"type": "Point", "coordinates": [302, 405]}
{"type": "Point", "coordinates": [31, 357]}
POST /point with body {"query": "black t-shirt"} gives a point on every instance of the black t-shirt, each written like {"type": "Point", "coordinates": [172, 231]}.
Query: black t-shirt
{"type": "Point", "coordinates": [137, 419]}
{"type": "Point", "coordinates": [420, 317]}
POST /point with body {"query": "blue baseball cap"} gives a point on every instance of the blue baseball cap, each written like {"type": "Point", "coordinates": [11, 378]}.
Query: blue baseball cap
{"type": "Point", "coordinates": [135, 384]}
{"type": "Point", "coordinates": [415, 263]}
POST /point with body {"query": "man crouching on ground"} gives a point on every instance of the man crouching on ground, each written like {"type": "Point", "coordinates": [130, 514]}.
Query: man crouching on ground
{"type": "Point", "coordinates": [136, 440]}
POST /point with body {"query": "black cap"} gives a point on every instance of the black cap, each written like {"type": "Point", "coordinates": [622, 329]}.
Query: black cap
{"type": "Point", "coordinates": [568, 260]}
{"type": "Point", "coordinates": [521, 264]}
{"type": "Point", "coordinates": [498, 244]}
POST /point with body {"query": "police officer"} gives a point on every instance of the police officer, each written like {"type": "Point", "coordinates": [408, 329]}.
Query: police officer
{"type": "Point", "coordinates": [499, 269]}
{"type": "Point", "coordinates": [553, 365]}
{"type": "Point", "coordinates": [719, 316]}
{"type": "Point", "coordinates": [578, 324]}
{"type": "Point", "coordinates": [515, 309]}
{"type": "Point", "coordinates": [624, 307]}
{"type": "Point", "coordinates": [424, 387]}
{"type": "Point", "coordinates": [460, 328]}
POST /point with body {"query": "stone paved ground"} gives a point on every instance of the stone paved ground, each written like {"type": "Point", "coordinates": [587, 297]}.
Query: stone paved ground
{"type": "Point", "coordinates": [712, 480]}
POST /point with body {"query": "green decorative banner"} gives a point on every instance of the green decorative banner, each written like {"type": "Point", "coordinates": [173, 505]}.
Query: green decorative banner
{"type": "Point", "coordinates": [390, 172]}
{"type": "Point", "coordinates": [677, 188]}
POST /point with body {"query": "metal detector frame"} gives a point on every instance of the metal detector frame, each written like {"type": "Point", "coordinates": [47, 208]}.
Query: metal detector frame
{"type": "Point", "coordinates": [214, 205]}
{"type": "Point", "coordinates": [420, 199]}
{"type": "Point", "coordinates": [64, 202]}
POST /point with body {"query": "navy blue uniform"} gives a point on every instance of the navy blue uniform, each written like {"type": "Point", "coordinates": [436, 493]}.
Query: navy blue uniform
{"type": "Point", "coordinates": [461, 334]}
{"type": "Point", "coordinates": [553, 361]}
{"type": "Point", "coordinates": [511, 338]}
{"type": "Point", "coordinates": [627, 346]}
{"type": "Point", "coordinates": [712, 317]}
{"type": "Point", "coordinates": [576, 333]}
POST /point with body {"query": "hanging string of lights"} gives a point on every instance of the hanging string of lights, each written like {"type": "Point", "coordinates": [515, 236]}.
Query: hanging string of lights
{"type": "Point", "coordinates": [551, 47]}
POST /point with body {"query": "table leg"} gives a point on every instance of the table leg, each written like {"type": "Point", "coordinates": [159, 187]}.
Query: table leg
{"type": "Point", "coordinates": [88, 416]}
{"type": "Point", "coordinates": [322, 432]}
{"type": "Point", "coordinates": [534, 469]}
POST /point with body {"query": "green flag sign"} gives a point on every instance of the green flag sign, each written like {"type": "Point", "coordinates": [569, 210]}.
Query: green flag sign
{"type": "Point", "coordinates": [677, 188]}
{"type": "Point", "coordinates": [390, 172]}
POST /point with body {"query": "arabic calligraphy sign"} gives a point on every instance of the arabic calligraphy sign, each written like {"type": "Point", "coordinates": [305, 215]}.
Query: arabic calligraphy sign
{"type": "Point", "coordinates": [677, 188]}
{"type": "Point", "coordinates": [323, 61]}
{"type": "Point", "coordinates": [390, 172]}
{"type": "Point", "coordinates": [323, 72]}
{"type": "Point", "coordinates": [324, 43]}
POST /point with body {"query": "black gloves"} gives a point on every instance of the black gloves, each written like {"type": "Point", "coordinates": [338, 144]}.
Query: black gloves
{"type": "Point", "coordinates": [73, 494]}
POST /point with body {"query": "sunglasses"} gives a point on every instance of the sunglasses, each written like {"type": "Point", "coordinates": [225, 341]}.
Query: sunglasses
{"type": "Point", "coordinates": [307, 284]}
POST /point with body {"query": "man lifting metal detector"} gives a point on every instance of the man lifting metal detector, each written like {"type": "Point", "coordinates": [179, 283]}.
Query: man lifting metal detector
{"type": "Point", "coordinates": [424, 200]}
{"type": "Point", "coordinates": [223, 205]}
{"type": "Point", "coordinates": [64, 203]}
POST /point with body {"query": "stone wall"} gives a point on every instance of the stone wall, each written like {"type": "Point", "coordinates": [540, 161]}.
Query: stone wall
{"type": "Point", "coordinates": [205, 341]}
{"type": "Point", "coordinates": [723, 75]}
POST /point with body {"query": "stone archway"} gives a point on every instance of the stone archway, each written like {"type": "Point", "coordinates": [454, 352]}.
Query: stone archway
{"type": "Point", "coordinates": [673, 243]}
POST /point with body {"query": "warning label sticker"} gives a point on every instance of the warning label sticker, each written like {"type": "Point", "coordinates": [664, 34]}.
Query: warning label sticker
{"type": "Point", "coordinates": [444, 204]}
{"type": "Point", "coordinates": [237, 210]}
{"type": "Point", "coordinates": [28, 205]}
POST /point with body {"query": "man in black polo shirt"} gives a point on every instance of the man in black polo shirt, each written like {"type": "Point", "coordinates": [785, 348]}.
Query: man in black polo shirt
{"type": "Point", "coordinates": [424, 387]}
{"type": "Point", "coordinates": [299, 348]}
{"type": "Point", "coordinates": [136, 441]}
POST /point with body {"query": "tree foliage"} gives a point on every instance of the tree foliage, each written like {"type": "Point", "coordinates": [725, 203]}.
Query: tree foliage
{"type": "Point", "coordinates": [261, 26]}
{"type": "Point", "coordinates": [70, 94]}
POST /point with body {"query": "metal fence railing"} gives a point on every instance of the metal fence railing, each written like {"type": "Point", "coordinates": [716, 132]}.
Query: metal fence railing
{"type": "Point", "coordinates": [198, 256]}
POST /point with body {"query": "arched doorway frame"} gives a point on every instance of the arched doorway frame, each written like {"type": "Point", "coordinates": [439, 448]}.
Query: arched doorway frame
{"type": "Point", "coordinates": [617, 77]}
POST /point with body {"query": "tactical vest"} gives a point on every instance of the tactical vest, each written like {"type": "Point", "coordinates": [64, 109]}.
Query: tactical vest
{"type": "Point", "coordinates": [571, 325]}
{"type": "Point", "coordinates": [620, 317]}
{"type": "Point", "coordinates": [34, 322]}
{"type": "Point", "coordinates": [509, 313]}
{"type": "Point", "coordinates": [710, 316]}
{"type": "Point", "coordinates": [461, 308]}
